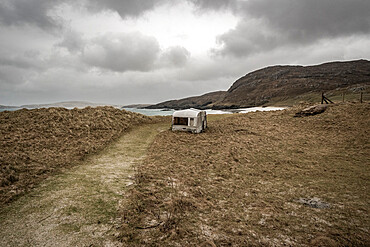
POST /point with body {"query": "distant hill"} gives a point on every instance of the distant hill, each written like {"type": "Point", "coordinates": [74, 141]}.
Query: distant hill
{"type": "Point", "coordinates": [200, 102]}
{"type": "Point", "coordinates": [281, 83]}
{"type": "Point", "coordinates": [138, 106]}
{"type": "Point", "coordinates": [66, 104]}
{"type": "Point", "coordinates": [7, 107]}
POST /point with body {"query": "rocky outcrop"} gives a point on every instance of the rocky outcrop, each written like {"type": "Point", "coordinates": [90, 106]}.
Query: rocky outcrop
{"type": "Point", "coordinates": [312, 110]}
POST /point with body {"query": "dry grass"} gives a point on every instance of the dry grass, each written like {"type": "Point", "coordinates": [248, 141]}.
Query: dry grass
{"type": "Point", "coordinates": [79, 207]}
{"type": "Point", "coordinates": [240, 182]}
{"type": "Point", "coordinates": [36, 143]}
{"type": "Point", "coordinates": [334, 95]}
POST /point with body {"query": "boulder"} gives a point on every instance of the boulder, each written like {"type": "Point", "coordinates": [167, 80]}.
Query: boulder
{"type": "Point", "coordinates": [312, 110]}
{"type": "Point", "coordinates": [313, 202]}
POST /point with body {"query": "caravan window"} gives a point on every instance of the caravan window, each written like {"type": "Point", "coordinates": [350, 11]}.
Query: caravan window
{"type": "Point", "coordinates": [191, 122]}
{"type": "Point", "coordinates": [180, 121]}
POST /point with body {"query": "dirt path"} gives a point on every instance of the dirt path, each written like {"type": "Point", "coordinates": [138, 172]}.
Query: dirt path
{"type": "Point", "coordinates": [79, 206]}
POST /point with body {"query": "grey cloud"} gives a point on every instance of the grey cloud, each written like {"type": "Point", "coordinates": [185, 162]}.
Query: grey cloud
{"type": "Point", "coordinates": [27, 60]}
{"type": "Point", "coordinates": [269, 24]}
{"type": "Point", "coordinates": [122, 52]}
{"type": "Point", "coordinates": [124, 8]}
{"type": "Point", "coordinates": [105, 88]}
{"type": "Point", "coordinates": [34, 12]}
{"type": "Point", "coordinates": [213, 4]}
{"type": "Point", "coordinates": [10, 77]}
{"type": "Point", "coordinates": [175, 56]}
{"type": "Point", "coordinates": [73, 41]}
{"type": "Point", "coordinates": [195, 78]}
{"type": "Point", "coordinates": [248, 37]}
{"type": "Point", "coordinates": [132, 8]}
{"type": "Point", "coordinates": [305, 18]}
{"type": "Point", "coordinates": [18, 62]}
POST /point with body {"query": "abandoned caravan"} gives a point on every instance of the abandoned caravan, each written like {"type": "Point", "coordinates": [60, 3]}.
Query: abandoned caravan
{"type": "Point", "coordinates": [191, 120]}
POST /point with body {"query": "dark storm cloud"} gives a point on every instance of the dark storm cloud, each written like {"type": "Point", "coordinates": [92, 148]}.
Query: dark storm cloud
{"type": "Point", "coordinates": [317, 18]}
{"type": "Point", "coordinates": [269, 24]}
{"type": "Point", "coordinates": [34, 12]}
{"type": "Point", "coordinates": [122, 52]}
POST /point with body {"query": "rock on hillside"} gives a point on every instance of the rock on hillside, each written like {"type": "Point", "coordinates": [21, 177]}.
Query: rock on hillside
{"type": "Point", "coordinates": [265, 85]}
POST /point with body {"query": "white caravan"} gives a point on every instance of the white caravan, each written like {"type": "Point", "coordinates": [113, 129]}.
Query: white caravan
{"type": "Point", "coordinates": [191, 120]}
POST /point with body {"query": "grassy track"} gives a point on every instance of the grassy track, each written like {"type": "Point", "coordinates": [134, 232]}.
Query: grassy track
{"type": "Point", "coordinates": [79, 206]}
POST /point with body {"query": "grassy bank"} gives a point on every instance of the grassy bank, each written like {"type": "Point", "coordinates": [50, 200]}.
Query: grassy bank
{"type": "Point", "coordinates": [351, 95]}
{"type": "Point", "coordinates": [36, 143]}
{"type": "Point", "coordinates": [262, 178]}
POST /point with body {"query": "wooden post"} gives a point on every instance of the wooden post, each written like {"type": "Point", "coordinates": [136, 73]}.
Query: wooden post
{"type": "Point", "coordinates": [325, 99]}
{"type": "Point", "coordinates": [322, 98]}
{"type": "Point", "coordinates": [361, 97]}
{"type": "Point", "coordinates": [343, 97]}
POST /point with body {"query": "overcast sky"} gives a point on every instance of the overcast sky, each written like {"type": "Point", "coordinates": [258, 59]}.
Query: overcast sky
{"type": "Point", "coordinates": [148, 51]}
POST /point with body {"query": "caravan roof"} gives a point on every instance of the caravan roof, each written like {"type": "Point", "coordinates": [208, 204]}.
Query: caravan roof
{"type": "Point", "coordinates": [186, 113]}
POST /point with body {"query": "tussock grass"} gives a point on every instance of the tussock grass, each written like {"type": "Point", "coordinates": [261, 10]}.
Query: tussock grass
{"type": "Point", "coordinates": [242, 182]}
{"type": "Point", "coordinates": [36, 143]}
{"type": "Point", "coordinates": [80, 205]}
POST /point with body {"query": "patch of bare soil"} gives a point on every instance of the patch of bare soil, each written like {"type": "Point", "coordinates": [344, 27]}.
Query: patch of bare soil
{"type": "Point", "coordinates": [263, 178]}
{"type": "Point", "coordinates": [79, 207]}
{"type": "Point", "coordinates": [35, 143]}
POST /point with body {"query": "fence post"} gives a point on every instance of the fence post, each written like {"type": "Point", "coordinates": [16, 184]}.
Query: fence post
{"type": "Point", "coordinates": [361, 97]}
{"type": "Point", "coordinates": [342, 97]}
{"type": "Point", "coordinates": [322, 98]}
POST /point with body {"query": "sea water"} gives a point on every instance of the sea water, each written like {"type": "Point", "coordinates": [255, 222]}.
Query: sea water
{"type": "Point", "coordinates": [165, 112]}
{"type": "Point", "coordinates": [151, 112]}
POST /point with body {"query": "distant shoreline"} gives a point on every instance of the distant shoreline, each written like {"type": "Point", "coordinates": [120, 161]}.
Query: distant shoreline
{"type": "Point", "coordinates": [163, 111]}
{"type": "Point", "coordinates": [168, 112]}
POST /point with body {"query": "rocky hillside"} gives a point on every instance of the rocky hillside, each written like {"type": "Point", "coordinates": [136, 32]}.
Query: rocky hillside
{"type": "Point", "coordinates": [200, 102]}
{"type": "Point", "coordinates": [274, 83]}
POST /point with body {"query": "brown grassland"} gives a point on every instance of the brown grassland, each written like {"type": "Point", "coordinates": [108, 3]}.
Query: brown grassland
{"type": "Point", "coordinates": [37, 143]}
{"type": "Point", "coordinates": [243, 182]}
